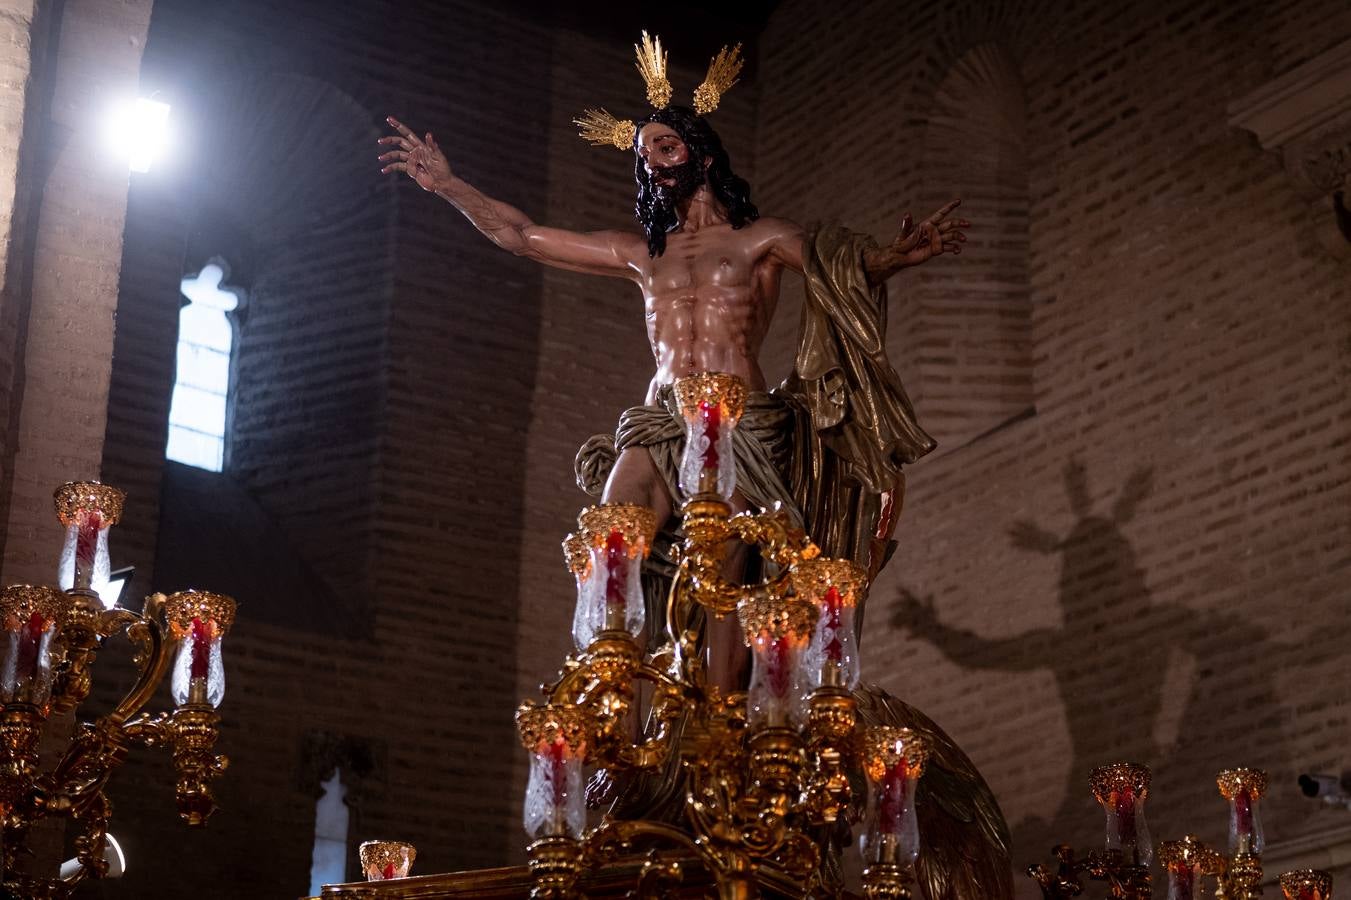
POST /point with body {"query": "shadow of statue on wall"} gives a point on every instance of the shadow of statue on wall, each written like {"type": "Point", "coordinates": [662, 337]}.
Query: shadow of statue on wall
{"type": "Point", "coordinates": [1140, 681]}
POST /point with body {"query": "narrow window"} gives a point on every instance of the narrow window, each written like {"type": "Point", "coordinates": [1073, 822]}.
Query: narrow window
{"type": "Point", "coordinates": [329, 864]}
{"type": "Point", "coordinates": [206, 335]}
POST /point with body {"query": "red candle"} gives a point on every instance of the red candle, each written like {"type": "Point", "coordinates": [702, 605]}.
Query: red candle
{"type": "Point", "coordinates": [201, 648]}
{"type": "Point", "coordinates": [30, 641]}
{"type": "Point", "coordinates": [779, 666]}
{"type": "Point", "coordinates": [1124, 804]}
{"type": "Point", "coordinates": [711, 415]}
{"type": "Point", "coordinates": [616, 579]}
{"type": "Point", "coordinates": [892, 796]}
{"type": "Point", "coordinates": [1183, 882]}
{"type": "Point", "coordinates": [86, 544]}
{"type": "Point", "coordinates": [1243, 812]}
{"type": "Point", "coordinates": [558, 774]}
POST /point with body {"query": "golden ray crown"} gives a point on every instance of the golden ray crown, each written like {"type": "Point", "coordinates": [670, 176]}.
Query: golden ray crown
{"type": "Point", "coordinates": [599, 127]}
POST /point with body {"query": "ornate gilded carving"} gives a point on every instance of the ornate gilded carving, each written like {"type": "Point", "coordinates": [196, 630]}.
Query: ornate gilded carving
{"type": "Point", "coordinates": [74, 497]}
{"type": "Point", "coordinates": [182, 607]}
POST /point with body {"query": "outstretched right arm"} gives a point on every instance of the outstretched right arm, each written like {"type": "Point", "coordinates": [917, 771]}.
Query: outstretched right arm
{"type": "Point", "coordinates": [597, 252]}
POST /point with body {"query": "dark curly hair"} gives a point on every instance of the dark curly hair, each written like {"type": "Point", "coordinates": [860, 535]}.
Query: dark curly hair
{"type": "Point", "coordinates": [656, 215]}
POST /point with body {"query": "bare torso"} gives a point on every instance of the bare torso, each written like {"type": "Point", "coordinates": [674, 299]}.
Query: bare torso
{"type": "Point", "coordinates": [709, 300]}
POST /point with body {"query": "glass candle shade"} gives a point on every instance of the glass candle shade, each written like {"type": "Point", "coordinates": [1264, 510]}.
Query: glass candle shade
{"type": "Point", "coordinates": [893, 760]}
{"type": "Point", "coordinates": [834, 587]}
{"type": "Point", "coordinates": [1306, 884]}
{"type": "Point", "coordinates": [777, 633]}
{"type": "Point", "coordinates": [616, 538]}
{"type": "Point", "coordinates": [711, 404]}
{"type": "Point", "coordinates": [31, 615]}
{"type": "Point", "coordinates": [577, 557]}
{"type": "Point", "coordinates": [1122, 789]}
{"type": "Point", "coordinates": [87, 509]}
{"type": "Point", "coordinates": [1243, 788]}
{"type": "Point", "coordinates": [1184, 861]}
{"type": "Point", "coordinates": [198, 621]}
{"type": "Point", "coordinates": [556, 736]}
{"type": "Point", "coordinates": [384, 860]}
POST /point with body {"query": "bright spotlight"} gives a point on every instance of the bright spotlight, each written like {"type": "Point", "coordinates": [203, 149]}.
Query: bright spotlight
{"type": "Point", "coordinates": [138, 131]}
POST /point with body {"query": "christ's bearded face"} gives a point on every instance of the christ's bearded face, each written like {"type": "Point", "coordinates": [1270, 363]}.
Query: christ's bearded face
{"type": "Point", "coordinates": [674, 172]}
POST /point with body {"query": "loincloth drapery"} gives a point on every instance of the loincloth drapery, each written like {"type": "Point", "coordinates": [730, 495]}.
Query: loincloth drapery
{"type": "Point", "coordinates": [761, 445]}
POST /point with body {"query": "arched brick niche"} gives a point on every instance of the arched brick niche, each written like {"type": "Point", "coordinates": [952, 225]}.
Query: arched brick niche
{"type": "Point", "coordinates": [280, 188]}
{"type": "Point", "coordinates": [971, 329]}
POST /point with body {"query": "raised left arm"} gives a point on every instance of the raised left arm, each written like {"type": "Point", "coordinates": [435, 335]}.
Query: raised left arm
{"type": "Point", "coordinates": [934, 236]}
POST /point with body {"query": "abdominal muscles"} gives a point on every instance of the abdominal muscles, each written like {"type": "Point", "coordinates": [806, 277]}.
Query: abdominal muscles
{"type": "Point", "coordinates": [705, 331]}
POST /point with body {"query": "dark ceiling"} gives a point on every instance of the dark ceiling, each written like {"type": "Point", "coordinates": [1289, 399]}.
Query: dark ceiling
{"type": "Point", "coordinates": [697, 27]}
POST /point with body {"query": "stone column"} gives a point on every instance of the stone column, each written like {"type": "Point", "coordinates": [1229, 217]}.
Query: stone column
{"type": "Point", "coordinates": [78, 209]}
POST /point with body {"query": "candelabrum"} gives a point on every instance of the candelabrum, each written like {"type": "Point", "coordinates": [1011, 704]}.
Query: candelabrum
{"type": "Point", "coordinates": [1124, 864]}
{"type": "Point", "coordinates": [765, 771]}
{"type": "Point", "coordinates": [51, 639]}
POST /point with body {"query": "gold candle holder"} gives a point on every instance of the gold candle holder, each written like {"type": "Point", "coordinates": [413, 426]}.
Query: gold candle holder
{"type": "Point", "coordinates": [558, 737]}
{"type": "Point", "coordinates": [1306, 884]}
{"type": "Point", "coordinates": [199, 621]}
{"type": "Point", "coordinates": [1121, 789]}
{"type": "Point", "coordinates": [711, 404]}
{"type": "Point", "coordinates": [606, 555]}
{"type": "Point", "coordinates": [893, 760]}
{"type": "Point", "coordinates": [87, 509]}
{"type": "Point", "coordinates": [1184, 862]}
{"type": "Point", "coordinates": [386, 860]}
{"type": "Point", "coordinates": [1244, 788]}
{"type": "Point", "coordinates": [32, 616]}
{"type": "Point", "coordinates": [776, 630]}
{"type": "Point", "coordinates": [834, 587]}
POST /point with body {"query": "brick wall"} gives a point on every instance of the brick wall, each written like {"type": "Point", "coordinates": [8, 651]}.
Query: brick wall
{"type": "Point", "coordinates": [1153, 566]}
{"type": "Point", "coordinates": [19, 112]}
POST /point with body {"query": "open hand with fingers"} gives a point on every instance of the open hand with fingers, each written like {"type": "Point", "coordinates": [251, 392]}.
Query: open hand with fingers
{"type": "Point", "coordinates": [420, 158]}
{"type": "Point", "coordinates": [916, 243]}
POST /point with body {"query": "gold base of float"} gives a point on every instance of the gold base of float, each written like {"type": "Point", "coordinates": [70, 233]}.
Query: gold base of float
{"type": "Point", "coordinates": [612, 881]}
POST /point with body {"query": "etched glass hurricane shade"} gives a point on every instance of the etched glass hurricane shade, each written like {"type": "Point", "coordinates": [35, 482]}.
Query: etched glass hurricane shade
{"type": "Point", "coordinates": [87, 509]}
{"type": "Point", "coordinates": [1121, 789]}
{"type": "Point", "coordinates": [775, 695]}
{"type": "Point", "coordinates": [776, 630]}
{"type": "Point", "coordinates": [710, 404]}
{"type": "Point", "coordinates": [31, 619]}
{"type": "Point", "coordinates": [1243, 788]}
{"type": "Point", "coordinates": [198, 620]}
{"type": "Point", "coordinates": [893, 762]}
{"type": "Point", "coordinates": [606, 556]}
{"type": "Point", "coordinates": [1183, 862]}
{"type": "Point", "coordinates": [386, 860]}
{"type": "Point", "coordinates": [833, 585]}
{"type": "Point", "coordinates": [556, 737]}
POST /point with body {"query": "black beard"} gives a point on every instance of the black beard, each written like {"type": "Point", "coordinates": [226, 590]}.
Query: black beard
{"type": "Point", "coordinates": [689, 177]}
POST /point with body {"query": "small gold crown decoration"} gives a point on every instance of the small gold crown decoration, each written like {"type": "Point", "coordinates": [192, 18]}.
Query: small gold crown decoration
{"type": "Point", "coordinates": [652, 66]}
{"type": "Point", "coordinates": [722, 74]}
{"type": "Point", "coordinates": [600, 128]}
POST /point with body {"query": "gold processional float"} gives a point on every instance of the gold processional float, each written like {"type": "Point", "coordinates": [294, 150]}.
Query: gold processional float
{"type": "Point", "coordinates": [770, 773]}
{"type": "Point", "coordinates": [51, 638]}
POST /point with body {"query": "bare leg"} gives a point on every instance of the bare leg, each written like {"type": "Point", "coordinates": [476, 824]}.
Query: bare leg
{"type": "Point", "coordinates": [725, 651]}
{"type": "Point", "coordinates": [635, 479]}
